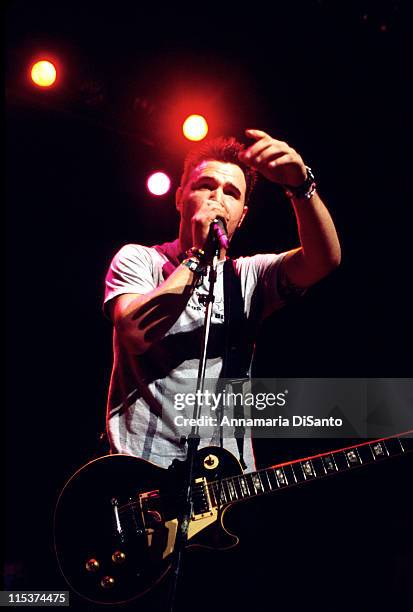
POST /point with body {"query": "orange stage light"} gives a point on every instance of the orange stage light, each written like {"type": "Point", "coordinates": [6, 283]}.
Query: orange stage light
{"type": "Point", "coordinates": [43, 73]}
{"type": "Point", "coordinates": [195, 127]}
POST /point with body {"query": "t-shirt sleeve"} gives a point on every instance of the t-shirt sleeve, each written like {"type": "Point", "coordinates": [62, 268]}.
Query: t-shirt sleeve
{"type": "Point", "coordinates": [259, 278]}
{"type": "Point", "coordinates": [130, 271]}
{"type": "Point", "coordinates": [267, 269]}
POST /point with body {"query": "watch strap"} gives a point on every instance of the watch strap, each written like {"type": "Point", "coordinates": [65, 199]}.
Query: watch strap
{"type": "Point", "coordinates": [305, 190]}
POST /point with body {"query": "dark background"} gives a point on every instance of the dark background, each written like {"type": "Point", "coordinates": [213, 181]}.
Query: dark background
{"type": "Point", "coordinates": [330, 78]}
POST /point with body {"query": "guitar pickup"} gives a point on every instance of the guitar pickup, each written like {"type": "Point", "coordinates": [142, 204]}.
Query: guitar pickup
{"type": "Point", "coordinates": [201, 503]}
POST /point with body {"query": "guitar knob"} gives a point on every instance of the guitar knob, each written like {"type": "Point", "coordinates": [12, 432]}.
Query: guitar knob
{"type": "Point", "coordinates": [92, 565]}
{"type": "Point", "coordinates": [211, 462]}
{"type": "Point", "coordinates": [118, 557]}
{"type": "Point", "coordinates": [107, 582]}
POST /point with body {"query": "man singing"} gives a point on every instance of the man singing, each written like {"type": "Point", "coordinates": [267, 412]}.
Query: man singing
{"type": "Point", "coordinates": [156, 295]}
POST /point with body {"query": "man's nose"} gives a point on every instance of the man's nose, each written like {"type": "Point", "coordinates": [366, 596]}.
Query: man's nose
{"type": "Point", "coordinates": [216, 194]}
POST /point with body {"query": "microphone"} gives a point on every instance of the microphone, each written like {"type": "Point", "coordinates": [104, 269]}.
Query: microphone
{"type": "Point", "coordinates": [219, 230]}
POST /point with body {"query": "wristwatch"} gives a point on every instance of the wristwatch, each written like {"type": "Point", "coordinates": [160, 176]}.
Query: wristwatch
{"type": "Point", "coordinates": [194, 265]}
{"type": "Point", "coordinates": [305, 190]}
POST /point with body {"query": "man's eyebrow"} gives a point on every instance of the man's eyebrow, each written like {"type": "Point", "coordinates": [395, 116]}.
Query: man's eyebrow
{"type": "Point", "coordinates": [213, 179]}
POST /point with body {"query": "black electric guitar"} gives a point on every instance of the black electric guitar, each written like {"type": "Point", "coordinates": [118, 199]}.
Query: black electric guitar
{"type": "Point", "coordinates": [116, 518]}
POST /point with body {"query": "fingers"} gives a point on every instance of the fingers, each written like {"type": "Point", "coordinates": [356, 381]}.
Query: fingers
{"type": "Point", "coordinates": [282, 158]}
{"type": "Point", "coordinates": [274, 159]}
{"type": "Point", "coordinates": [257, 134]}
{"type": "Point", "coordinates": [254, 151]}
{"type": "Point", "coordinates": [202, 219]}
{"type": "Point", "coordinates": [263, 151]}
{"type": "Point", "coordinates": [210, 210]}
{"type": "Point", "coordinates": [218, 210]}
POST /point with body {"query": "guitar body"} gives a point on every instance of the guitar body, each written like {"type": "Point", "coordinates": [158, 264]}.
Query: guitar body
{"type": "Point", "coordinates": [116, 522]}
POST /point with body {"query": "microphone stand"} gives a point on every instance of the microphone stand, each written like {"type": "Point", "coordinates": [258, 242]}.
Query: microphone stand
{"type": "Point", "coordinates": [194, 437]}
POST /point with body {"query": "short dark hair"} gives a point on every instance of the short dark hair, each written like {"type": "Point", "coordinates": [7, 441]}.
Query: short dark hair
{"type": "Point", "coordinates": [223, 149]}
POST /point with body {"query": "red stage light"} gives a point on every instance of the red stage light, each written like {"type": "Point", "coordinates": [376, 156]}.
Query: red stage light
{"type": "Point", "coordinates": [158, 183]}
{"type": "Point", "coordinates": [195, 127]}
{"type": "Point", "coordinates": [43, 73]}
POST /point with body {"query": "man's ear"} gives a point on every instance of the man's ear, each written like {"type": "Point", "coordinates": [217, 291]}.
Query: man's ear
{"type": "Point", "coordinates": [244, 212]}
{"type": "Point", "coordinates": [178, 198]}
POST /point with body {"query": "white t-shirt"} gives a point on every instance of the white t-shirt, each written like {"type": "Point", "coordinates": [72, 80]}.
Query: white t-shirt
{"type": "Point", "coordinates": [141, 411]}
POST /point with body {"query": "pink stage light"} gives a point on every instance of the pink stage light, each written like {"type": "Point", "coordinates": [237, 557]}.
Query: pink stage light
{"type": "Point", "coordinates": [158, 183]}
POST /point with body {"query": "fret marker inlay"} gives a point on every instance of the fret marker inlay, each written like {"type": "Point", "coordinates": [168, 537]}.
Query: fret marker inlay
{"type": "Point", "coordinates": [308, 469]}
{"type": "Point", "coordinates": [279, 472]}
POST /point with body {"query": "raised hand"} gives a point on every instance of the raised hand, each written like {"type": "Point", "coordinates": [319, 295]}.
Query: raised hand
{"type": "Point", "coordinates": [274, 159]}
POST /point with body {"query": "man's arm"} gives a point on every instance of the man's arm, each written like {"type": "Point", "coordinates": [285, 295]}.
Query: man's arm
{"type": "Point", "coordinates": [320, 251]}
{"type": "Point", "coordinates": [141, 320]}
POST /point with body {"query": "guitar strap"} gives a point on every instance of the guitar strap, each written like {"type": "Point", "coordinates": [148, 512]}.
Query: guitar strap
{"type": "Point", "coordinates": [239, 344]}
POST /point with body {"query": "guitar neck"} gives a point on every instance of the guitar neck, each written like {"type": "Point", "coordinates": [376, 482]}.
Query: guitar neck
{"type": "Point", "coordinates": [296, 472]}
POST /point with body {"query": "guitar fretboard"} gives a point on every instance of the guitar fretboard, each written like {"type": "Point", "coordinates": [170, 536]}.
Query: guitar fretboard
{"type": "Point", "coordinates": [299, 471]}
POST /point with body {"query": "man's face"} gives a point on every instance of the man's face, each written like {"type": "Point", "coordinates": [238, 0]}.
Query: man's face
{"type": "Point", "coordinates": [214, 181]}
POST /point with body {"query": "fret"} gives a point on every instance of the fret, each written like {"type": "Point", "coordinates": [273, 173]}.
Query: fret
{"type": "Point", "coordinates": [372, 455]}
{"type": "Point", "coordinates": [224, 492]}
{"type": "Point", "coordinates": [400, 443]}
{"type": "Point", "coordinates": [394, 447]}
{"type": "Point", "coordinates": [273, 479]}
{"type": "Point", "coordinates": [214, 490]}
{"type": "Point", "coordinates": [265, 488]}
{"type": "Point", "coordinates": [353, 457]}
{"type": "Point", "coordinates": [226, 489]}
{"type": "Point", "coordinates": [212, 495]}
{"type": "Point", "coordinates": [221, 493]}
{"type": "Point", "coordinates": [265, 477]}
{"type": "Point", "coordinates": [398, 448]}
{"type": "Point", "coordinates": [406, 444]}
{"type": "Point", "coordinates": [366, 453]}
{"type": "Point", "coordinates": [222, 497]}
{"type": "Point", "coordinates": [386, 448]}
{"type": "Point", "coordinates": [243, 486]}
{"type": "Point", "coordinates": [379, 450]}
{"type": "Point", "coordinates": [280, 476]}
{"type": "Point", "coordinates": [308, 469]}
{"type": "Point", "coordinates": [298, 472]}
{"type": "Point", "coordinates": [318, 466]}
{"type": "Point", "coordinates": [341, 461]}
{"type": "Point", "coordinates": [329, 464]}
{"type": "Point", "coordinates": [264, 481]}
{"type": "Point", "coordinates": [238, 487]}
{"type": "Point", "coordinates": [289, 474]}
{"type": "Point", "coordinates": [250, 483]}
{"type": "Point", "coordinates": [255, 477]}
{"type": "Point", "coordinates": [231, 488]}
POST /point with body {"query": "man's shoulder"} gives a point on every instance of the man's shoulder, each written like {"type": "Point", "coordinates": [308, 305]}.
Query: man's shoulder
{"type": "Point", "coordinates": [140, 252]}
